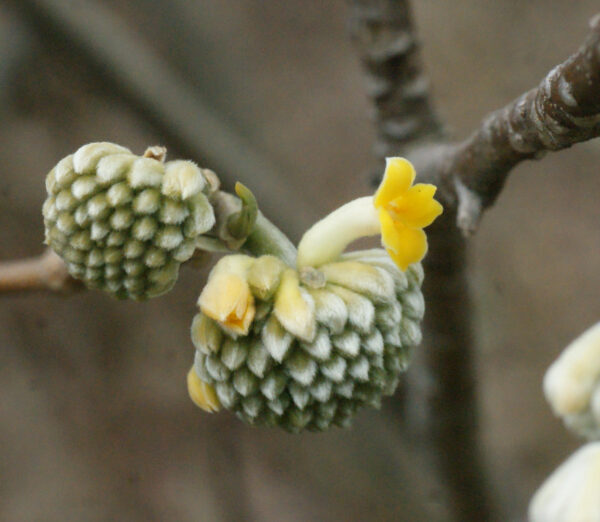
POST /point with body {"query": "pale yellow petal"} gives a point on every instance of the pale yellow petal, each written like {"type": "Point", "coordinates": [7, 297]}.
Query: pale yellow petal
{"type": "Point", "coordinates": [416, 208]}
{"type": "Point", "coordinates": [404, 245]}
{"type": "Point", "coordinates": [226, 298]}
{"type": "Point", "coordinates": [363, 278]}
{"type": "Point", "coordinates": [202, 394]}
{"type": "Point", "coordinates": [293, 308]}
{"type": "Point", "coordinates": [398, 177]}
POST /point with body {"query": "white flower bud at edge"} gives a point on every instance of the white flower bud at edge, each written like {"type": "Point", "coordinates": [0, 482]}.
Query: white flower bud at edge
{"type": "Point", "coordinates": [572, 384]}
{"type": "Point", "coordinates": [572, 492]}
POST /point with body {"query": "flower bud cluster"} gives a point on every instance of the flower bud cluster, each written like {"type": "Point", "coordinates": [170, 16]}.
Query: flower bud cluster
{"type": "Point", "coordinates": [572, 387]}
{"type": "Point", "coordinates": [124, 223]}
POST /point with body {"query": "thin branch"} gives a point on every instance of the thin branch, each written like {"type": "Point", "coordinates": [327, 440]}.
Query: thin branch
{"type": "Point", "coordinates": [443, 407]}
{"type": "Point", "coordinates": [563, 110]}
{"type": "Point", "coordinates": [384, 36]}
{"type": "Point", "coordinates": [46, 272]}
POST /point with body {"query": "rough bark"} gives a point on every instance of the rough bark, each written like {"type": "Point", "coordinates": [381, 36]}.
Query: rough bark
{"type": "Point", "coordinates": [387, 44]}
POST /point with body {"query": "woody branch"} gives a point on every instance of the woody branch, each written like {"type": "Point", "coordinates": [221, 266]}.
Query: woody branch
{"type": "Point", "coordinates": [564, 109]}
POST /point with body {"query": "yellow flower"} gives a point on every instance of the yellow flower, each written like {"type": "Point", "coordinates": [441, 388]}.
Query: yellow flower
{"type": "Point", "coordinates": [202, 393]}
{"type": "Point", "coordinates": [404, 210]}
{"type": "Point", "coordinates": [227, 298]}
{"type": "Point", "coordinates": [398, 211]}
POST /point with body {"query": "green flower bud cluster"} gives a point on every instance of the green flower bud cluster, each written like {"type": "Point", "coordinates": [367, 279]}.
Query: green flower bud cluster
{"type": "Point", "coordinates": [322, 342]}
{"type": "Point", "coordinates": [124, 223]}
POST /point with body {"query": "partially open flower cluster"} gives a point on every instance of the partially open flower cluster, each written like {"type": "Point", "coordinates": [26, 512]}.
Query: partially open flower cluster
{"type": "Point", "coordinates": [301, 341]}
{"type": "Point", "coordinates": [304, 344]}
{"type": "Point", "coordinates": [304, 350]}
{"type": "Point", "coordinates": [124, 223]}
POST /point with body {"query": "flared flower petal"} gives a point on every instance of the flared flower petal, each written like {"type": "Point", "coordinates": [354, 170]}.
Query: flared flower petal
{"type": "Point", "coordinates": [416, 207]}
{"type": "Point", "coordinates": [405, 245]}
{"type": "Point", "coordinates": [403, 211]}
{"type": "Point", "coordinates": [399, 175]}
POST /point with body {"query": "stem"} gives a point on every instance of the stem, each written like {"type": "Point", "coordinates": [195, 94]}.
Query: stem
{"type": "Point", "coordinates": [442, 380]}
{"type": "Point", "coordinates": [266, 238]}
{"type": "Point", "coordinates": [564, 109]}
{"type": "Point", "coordinates": [45, 272]}
{"type": "Point", "coordinates": [442, 407]}
{"type": "Point", "coordinates": [328, 238]}
{"type": "Point", "coordinates": [385, 38]}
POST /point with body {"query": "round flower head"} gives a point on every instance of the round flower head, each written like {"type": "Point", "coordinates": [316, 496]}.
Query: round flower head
{"type": "Point", "coordinates": [572, 384]}
{"type": "Point", "coordinates": [124, 223]}
{"type": "Point", "coordinates": [305, 347]}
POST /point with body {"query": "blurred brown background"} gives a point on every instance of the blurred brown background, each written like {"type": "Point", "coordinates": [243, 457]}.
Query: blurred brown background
{"type": "Point", "coordinates": [95, 420]}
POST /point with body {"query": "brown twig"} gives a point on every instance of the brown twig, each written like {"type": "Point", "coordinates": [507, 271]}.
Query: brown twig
{"type": "Point", "coordinates": [439, 409]}
{"type": "Point", "coordinates": [563, 110]}
{"type": "Point", "coordinates": [46, 272]}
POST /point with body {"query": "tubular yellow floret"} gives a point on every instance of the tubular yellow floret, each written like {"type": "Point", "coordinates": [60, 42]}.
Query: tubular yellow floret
{"type": "Point", "coordinates": [398, 211]}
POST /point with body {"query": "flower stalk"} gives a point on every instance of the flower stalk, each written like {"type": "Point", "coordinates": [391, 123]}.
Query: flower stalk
{"type": "Point", "coordinates": [398, 211]}
{"type": "Point", "coordinates": [328, 238]}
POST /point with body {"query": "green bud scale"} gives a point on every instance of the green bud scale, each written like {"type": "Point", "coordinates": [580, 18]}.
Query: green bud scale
{"type": "Point", "coordinates": [367, 315]}
{"type": "Point", "coordinates": [124, 223]}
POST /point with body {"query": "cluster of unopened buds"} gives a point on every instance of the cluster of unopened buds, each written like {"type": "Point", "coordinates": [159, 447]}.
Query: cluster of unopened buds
{"type": "Point", "coordinates": [300, 340]}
